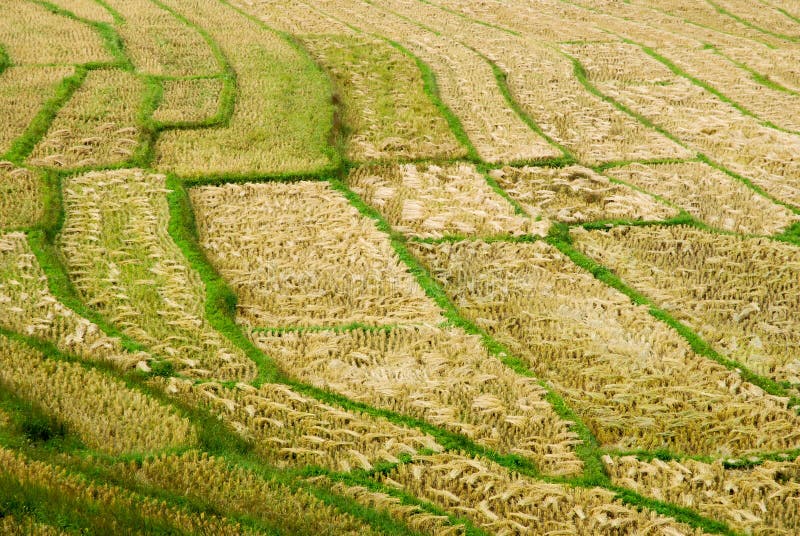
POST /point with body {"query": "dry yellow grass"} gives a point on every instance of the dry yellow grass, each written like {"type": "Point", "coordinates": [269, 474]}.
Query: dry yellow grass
{"type": "Point", "coordinates": [21, 202]}
{"type": "Point", "coordinates": [764, 500]}
{"type": "Point", "coordinates": [427, 200]}
{"type": "Point", "coordinates": [26, 526]}
{"type": "Point", "coordinates": [158, 43]}
{"type": "Point", "coordinates": [292, 430]}
{"type": "Point", "coordinates": [672, 34]}
{"type": "Point", "coordinates": [296, 17]}
{"type": "Point", "coordinates": [189, 100]}
{"type": "Point", "coordinates": [23, 91]}
{"type": "Point", "coordinates": [705, 14]}
{"type": "Point", "coordinates": [297, 254]}
{"type": "Point", "coordinates": [87, 9]}
{"type": "Point", "coordinates": [283, 112]}
{"type": "Point", "coordinates": [739, 294]}
{"type": "Point", "coordinates": [779, 107]}
{"type": "Point", "coordinates": [466, 83]}
{"type": "Point", "coordinates": [412, 515]}
{"type": "Point", "coordinates": [710, 196]}
{"type": "Point", "coordinates": [236, 491]}
{"type": "Point", "coordinates": [543, 83]}
{"type": "Point", "coordinates": [125, 265]}
{"type": "Point", "coordinates": [97, 127]}
{"type": "Point", "coordinates": [384, 106]}
{"type": "Point", "coordinates": [504, 503]}
{"type": "Point", "coordinates": [576, 194]}
{"type": "Point", "coordinates": [29, 308]}
{"type": "Point", "coordinates": [103, 497]}
{"type": "Point", "coordinates": [443, 376]}
{"type": "Point", "coordinates": [767, 156]}
{"type": "Point", "coordinates": [532, 20]}
{"type": "Point", "coordinates": [102, 411]}
{"type": "Point", "coordinates": [31, 34]}
{"type": "Point", "coordinates": [635, 381]}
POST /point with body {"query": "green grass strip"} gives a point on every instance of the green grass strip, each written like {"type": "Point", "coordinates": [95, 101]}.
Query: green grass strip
{"type": "Point", "coordinates": [600, 168]}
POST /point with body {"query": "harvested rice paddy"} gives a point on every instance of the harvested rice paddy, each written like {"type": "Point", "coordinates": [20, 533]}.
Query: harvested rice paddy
{"type": "Point", "coordinates": [399, 267]}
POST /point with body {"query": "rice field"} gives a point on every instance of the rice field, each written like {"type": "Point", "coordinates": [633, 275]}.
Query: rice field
{"type": "Point", "coordinates": [399, 267]}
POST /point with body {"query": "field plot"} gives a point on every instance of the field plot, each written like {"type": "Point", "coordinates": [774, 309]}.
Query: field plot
{"type": "Point", "coordinates": [386, 110]}
{"type": "Point", "coordinates": [101, 410]}
{"type": "Point", "coordinates": [98, 125]}
{"type": "Point", "coordinates": [635, 381]}
{"type": "Point", "coordinates": [400, 267]}
{"type": "Point", "coordinates": [283, 113]}
{"type": "Point", "coordinates": [576, 194]}
{"type": "Point", "coordinates": [709, 195]}
{"type": "Point", "coordinates": [30, 308]}
{"type": "Point", "coordinates": [287, 259]}
{"type": "Point", "coordinates": [124, 264]}
{"type": "Point", "coordinates": [739, 294]}
{"type": "Point", "coordinates": [23, 91]}
{"type": "Point", "coordinates": [32, 34]}
{"type": "Point", "coordinates": [760, 500]}
{"type": "Point", "coordinates": [442, 376]}
{"type": "Point", "coordinates": [429, 201]}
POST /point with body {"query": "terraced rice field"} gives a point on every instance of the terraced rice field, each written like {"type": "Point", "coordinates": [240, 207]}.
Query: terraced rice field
{"type": "Point", "coordinates": [400, 267]}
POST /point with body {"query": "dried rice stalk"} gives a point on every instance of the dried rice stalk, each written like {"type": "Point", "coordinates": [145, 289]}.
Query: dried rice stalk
{"type": "Point", "coordinates": [504, 503]}
{"type": "Point", "coordinates": [32, 34]}
{"type": "Point", "coordinates": [445, 377]}
{"type": "Point", "coordinates": [432, 201]}
{"type": "Point", "coordinates": [742, 295]}
{"type": "Point", "coordinates": [97, 126]}
{"type": "Point", "coordinates": [292, 430]}
{"type": "Point", "coordinates": [124, 264]}
{"type": "Point", "coordinates": [576, 194]}
{"type": "Point", "coordinates": [106, 415]}
{"type": "Point", "coordinates": [299, 254]}
{"type": "Point", "coordinates": [233, 490]}
{"type": "Point", "coordinates": [764, 500]}
{"type": "Point", "coordinates": [634, 380]}
{"type": "Point", "coordinates": [30, 309]}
